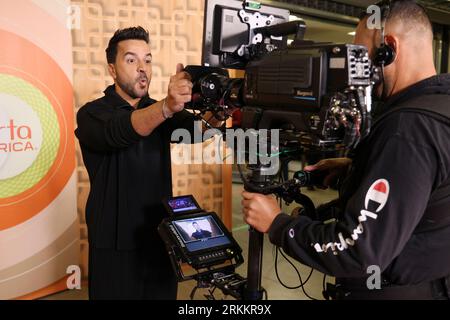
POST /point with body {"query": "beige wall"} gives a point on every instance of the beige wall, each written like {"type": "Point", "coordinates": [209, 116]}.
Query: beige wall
{"type": "Point", "coordinates": [176, 28]}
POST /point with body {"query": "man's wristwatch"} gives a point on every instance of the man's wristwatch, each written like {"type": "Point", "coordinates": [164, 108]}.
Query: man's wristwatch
{"type": "Point", "coordinates": [165, 115]}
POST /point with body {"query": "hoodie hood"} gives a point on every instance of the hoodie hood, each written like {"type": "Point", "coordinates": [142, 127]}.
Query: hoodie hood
{"type": "Point", "coordinates": [439, 84]}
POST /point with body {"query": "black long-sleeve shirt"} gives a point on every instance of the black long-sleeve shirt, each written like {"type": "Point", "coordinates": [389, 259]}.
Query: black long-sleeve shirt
{"type": "Point", "coordinates": [396, 173]}
{"type": "Point", "coordinates": [129, 174]}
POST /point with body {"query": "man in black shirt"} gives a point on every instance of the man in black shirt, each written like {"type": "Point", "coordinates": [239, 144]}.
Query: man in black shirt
{"type": "Point", "coordinates": [125, 142]}
{"type": "Point", "coordinates": [199, 232]}
{"type": "Point", "coordinates": [394, 206]}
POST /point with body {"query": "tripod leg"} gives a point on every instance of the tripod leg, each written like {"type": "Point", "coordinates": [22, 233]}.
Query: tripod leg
{"type": "Point", "coordinates": [254, 291]}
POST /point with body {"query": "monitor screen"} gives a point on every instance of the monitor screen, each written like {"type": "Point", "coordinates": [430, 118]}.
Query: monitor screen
{"type": "Point", "coordinates": [183, 204]}
{"type": "Point", "coordinates": [225, 32]}
{"type": "Point", "coordinates": [200, 233]}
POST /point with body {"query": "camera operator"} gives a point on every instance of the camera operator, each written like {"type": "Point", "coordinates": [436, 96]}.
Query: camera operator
{"type": "Point", "coordinates": [394, 206]}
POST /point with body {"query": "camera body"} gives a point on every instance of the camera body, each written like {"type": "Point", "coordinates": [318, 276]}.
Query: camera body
{"type": "Point", "coordinates": [319, 93]}
{"type": "Point", "coordinates": [319, 90]}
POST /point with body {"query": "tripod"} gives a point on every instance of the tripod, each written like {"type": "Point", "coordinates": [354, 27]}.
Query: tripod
{"type": "Point", "coordinates": [254, 290]}
{"type": "Point", "coordinates": [260, 182]}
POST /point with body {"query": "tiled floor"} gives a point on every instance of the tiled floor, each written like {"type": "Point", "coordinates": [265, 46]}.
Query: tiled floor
{"type": "Point", "coordinates": [269, 280]}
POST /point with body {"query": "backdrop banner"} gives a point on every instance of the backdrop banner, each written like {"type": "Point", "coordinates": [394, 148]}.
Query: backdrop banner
{"type": "Point", "coordinates": [39, 231]}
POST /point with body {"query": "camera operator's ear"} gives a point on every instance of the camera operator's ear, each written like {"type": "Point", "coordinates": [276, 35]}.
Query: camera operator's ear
{"type": "Point", "coordinates": [387, 53]}
{"type": "Point", "coordinates": [112, 70]}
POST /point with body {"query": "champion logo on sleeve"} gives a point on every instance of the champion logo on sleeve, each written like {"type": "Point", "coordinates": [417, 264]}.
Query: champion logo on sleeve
{"type": "Point", "coordinates": [376, 198]}
{"type": "Point", "coordinates": [378, 193]}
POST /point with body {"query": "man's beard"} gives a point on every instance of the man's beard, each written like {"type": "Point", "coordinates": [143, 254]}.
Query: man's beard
{"type": "Point", "coordinates": [129, 87]}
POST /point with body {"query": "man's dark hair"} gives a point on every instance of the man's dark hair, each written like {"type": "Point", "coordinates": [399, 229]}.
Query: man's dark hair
{"type": "Point", "coordinates": [133, 33]}
{"type": "Point", "coordinates": [409, 12]}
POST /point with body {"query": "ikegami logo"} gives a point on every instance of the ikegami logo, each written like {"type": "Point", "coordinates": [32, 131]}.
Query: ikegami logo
{"type": "Point", "coordinates": [376, 198]}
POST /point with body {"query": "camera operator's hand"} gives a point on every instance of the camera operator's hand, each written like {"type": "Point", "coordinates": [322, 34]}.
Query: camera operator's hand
{"type": "Point", "coordinates": [259, 210]}
{"type": "Point", "coordinates": [179, 92]}
{"type": "Point", "coordinates": [335, 167]}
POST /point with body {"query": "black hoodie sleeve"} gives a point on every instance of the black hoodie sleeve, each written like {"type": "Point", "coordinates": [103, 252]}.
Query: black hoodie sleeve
{"type": "Point", "coordinates": [184, 128]}
{"type": "Point", "coordinates": [379, 218]}
{"type": "Point", "coordinates": [103, 128]}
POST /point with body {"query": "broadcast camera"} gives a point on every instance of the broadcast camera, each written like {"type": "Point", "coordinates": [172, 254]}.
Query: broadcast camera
{"type": "Point", "coordinates": [318, 95]}
{"type": "Point", "coordinates": [321, 90]}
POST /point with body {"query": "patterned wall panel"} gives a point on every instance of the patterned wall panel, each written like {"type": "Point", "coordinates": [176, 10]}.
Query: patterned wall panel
{"type": "Point", "coordinates": [176, 28]}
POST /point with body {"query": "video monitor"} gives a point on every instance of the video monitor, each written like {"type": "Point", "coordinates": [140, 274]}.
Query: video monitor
{"type": "Point", "coordinates": [182, 205]}
{"type": "Point", "coordinates": [200, 233]}
{"type": "Point", "coordinates": [225, 32]}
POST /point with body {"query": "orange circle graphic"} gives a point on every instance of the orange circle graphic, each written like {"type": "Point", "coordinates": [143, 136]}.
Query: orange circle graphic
{"type": "Point", "coordinates": [22, 59]}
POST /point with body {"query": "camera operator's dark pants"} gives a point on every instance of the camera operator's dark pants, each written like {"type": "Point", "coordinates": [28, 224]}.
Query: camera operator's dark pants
{"type": "Point", "coordinates": [125, 275]}
{"type": "Point", "coordinates": [346, 289]}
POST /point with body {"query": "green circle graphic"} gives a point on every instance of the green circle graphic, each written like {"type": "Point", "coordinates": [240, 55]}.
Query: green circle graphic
{"type": "Point", "coordinates": [50, 135]}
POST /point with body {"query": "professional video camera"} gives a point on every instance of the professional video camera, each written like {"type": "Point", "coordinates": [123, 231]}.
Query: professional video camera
{"type": "Point", "coordinates": [321, 90]}
{"type": "Point", "coordinates": [317, 94]}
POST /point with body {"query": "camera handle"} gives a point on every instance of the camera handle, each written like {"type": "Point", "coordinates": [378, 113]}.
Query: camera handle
{"type": "Point", "coordinates": [253, 289]}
